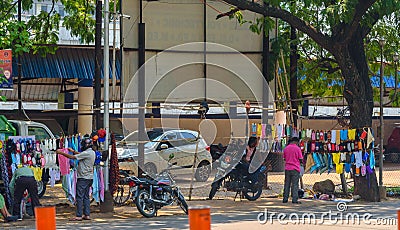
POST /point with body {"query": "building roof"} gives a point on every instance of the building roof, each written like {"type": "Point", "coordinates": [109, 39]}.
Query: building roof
{"type": "Point", "coordinates": [68, 62]}
{"type": "Point", "coordinates": [389, 81]}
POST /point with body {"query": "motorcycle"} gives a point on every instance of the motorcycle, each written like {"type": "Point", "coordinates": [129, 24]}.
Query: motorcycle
{"type": "Point", "coordinates": [232, 176]}
{"type": "Point", "coordinates": [153, 194]}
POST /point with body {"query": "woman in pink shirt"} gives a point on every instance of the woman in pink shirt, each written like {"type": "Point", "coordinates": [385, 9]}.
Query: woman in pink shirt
{"type": "Point", "coordinates": [292, 155]}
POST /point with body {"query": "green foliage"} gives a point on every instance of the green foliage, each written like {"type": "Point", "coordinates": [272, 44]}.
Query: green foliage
{"type": "Point", "coordinates": [2, 77]}
{"type": "Point", "coordinates": [39, 33]}
{"type": "Point", "coordinates": [80, 20]}
{"type": "Point", "coordinates": [318, 71]}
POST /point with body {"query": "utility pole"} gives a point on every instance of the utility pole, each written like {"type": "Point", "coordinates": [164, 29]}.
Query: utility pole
{"type": "Point", "coordinates": [107, 205]}
{"type": "Point", "coordinates": [382, 44]}
{"type": "Point", "coordinates": [106, 119]}
{"type": "Point", "coordinates": [19, 66]}
{"type": "Point", "coordinates": [114, 77]}
{"type": "Point", "coordinates": [97, 67]}
{"type": "Point", "coordinates": [141, 90]}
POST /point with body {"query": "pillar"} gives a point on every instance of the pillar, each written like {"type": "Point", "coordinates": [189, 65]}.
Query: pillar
{"type": "Point", "coordinates": [85, 106]}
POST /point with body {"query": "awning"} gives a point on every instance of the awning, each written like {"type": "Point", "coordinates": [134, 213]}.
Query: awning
{"type": "Point", "coordinates": [68, 62]}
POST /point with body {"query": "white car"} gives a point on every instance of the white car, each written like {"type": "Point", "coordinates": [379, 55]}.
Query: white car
{"type": "Point", "coordinates": [161, 144]}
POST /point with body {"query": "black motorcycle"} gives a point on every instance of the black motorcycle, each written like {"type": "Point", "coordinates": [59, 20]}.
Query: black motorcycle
{"type": "Point", "coordinates": [153, 194]}
{"type": "Point", "coordinates": [233, 175]}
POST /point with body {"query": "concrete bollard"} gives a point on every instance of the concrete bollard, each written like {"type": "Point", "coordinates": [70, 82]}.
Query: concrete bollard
{"type": "Point", "coordinates": [199, 218]}
{"type": "Point", "coordinates": [45, 217]}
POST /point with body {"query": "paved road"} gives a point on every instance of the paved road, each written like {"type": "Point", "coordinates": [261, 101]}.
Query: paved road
{"type": "Point", "coordinates": [229, 215]}
{"type": "Point", "coordinates": [381, 216]}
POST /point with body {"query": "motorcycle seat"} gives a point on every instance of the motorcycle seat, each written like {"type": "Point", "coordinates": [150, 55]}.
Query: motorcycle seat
{"type": "Point", "coordinates": [164, 182]}
{"type": "Point", "coordinates": [150, 181]}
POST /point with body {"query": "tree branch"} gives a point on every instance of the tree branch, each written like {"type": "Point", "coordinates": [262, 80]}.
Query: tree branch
{"type": "Point", "coordinates": [359, 11]}
{"type": "Point", "coordinates": [9, 10]}
{"type": "Point", "coordinates": [269, 11]}
{"type": "Point", "coordinates": [366, 29]}
{"type": "Point", "coordinates": [229, 13]}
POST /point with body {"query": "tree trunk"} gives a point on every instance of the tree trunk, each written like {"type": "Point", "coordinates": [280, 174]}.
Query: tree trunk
{"type": "Point", "coordinates": [359, 96]}
{"type": "Point", "coordinates": [357, 89]}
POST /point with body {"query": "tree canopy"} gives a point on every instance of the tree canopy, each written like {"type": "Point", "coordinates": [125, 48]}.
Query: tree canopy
{"type": "Point", "coordinates": [38, 31]}
{"type": "Point", "coordinates": [337, 44]}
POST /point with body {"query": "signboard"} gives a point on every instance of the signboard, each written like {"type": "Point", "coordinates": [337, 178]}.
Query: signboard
{"type": "Point", "coordinates": [6, 81]}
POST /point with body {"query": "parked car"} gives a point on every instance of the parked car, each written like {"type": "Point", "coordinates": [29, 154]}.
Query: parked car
{"type": "Point", "coordinates": [161, 143]}
{"type": "Point", "coordinates": [392, 151]}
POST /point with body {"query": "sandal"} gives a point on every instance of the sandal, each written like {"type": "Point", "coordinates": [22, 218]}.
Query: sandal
{"type": "Point", "coordinates": [86, 218]}
{"type": "Point", "coordinates": [76, 218]}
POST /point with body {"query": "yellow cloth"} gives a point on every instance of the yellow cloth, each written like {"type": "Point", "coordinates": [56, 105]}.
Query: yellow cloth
{"type": "Point", "coordinates": [336, 158]}
{"type": "Point", "coordinates": [352, 134]}
{"type": "Point", "coordinates": [310, 162]}
{"type": "Point", "coordinates": [339, 168]}
{"type": "Point", "coordinates": [37, 173]}
{"type": "Point", "coordinates": [338, 137]}
{"type": "Point", "coordinates": [259, 130]}
{"type": "Point", "coordinates": [273, 131]}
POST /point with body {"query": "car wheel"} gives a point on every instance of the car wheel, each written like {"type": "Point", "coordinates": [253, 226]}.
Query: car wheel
{"type": "Point", "coordinates": [41, 188]}
{"type": "Point", "coordinates": [150, 169]}
{"type": "Point", "coordinates": [203, 171]}
{"type": "Point", "coordinates": [395, 157]}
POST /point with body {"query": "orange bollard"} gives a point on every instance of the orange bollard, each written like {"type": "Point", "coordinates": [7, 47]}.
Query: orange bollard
{"type": "Point", "coordinates": [199, 218]}
{"type": "Point", "coordinates": [45, 217]}
{"type": "Point", "coordinates": [398, 219]}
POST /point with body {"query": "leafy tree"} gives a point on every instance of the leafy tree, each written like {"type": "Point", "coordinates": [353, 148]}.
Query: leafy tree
{"type": "Point", "coordinates": [336, 37]}
{"type": "Point", "coordinates": [39, 33]}
{"type": "Point", "coordinates": [338, 49]}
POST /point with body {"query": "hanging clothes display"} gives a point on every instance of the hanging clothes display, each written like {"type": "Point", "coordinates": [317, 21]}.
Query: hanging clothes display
{"type": "Point", "coordinates": [350, 150]}
{"type": "Point", "coordinates": [66, 169]}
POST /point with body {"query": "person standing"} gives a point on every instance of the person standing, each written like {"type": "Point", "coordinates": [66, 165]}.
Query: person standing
{"type": "Point", "coordinates": [292, 155]}
{"type": "Point", "coordinates": [84, 176]}
{"type": "Point", "coordinates": [23, 179]}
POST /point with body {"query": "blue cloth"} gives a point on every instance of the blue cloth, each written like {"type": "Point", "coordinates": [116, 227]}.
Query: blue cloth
{"type": "Point", "coordinates": [343, 134]}
{"type": "Point", "coordinates": [330, 163]}
{"type": "Point", "coordinates": [347, 167]}
{"type": "Point", "coordinates": [95, 186]}
{"type": "Point", "coordinates": [79, 143]}
{"type": "Point", "coordinates": [317, 163]}
{"type": "Point", "coordinates": [365, 156]}
{"type": "Point", "coordinates": [372, 159]}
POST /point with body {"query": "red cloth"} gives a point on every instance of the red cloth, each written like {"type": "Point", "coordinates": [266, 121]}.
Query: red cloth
{"type": "Point", "coordinates": [101, 133]}
{"type": "Point", "coordinates": [114, 167]}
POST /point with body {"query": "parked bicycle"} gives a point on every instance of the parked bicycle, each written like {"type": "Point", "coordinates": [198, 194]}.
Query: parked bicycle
{"type": "Point", "coordinates": [126, 189]}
